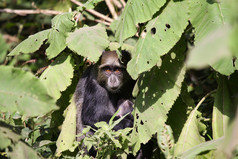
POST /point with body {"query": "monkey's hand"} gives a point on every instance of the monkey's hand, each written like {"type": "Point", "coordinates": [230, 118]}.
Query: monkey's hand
{"type": "Point", "coordinates": [125, 123]}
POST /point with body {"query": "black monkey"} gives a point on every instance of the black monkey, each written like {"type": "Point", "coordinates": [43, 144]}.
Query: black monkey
{"type": "Point", "coordinates": [101, 88]}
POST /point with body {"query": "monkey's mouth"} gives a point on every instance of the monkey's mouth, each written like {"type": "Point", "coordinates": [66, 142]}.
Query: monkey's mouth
{"type": "Point", "coordinates": [113, 89]}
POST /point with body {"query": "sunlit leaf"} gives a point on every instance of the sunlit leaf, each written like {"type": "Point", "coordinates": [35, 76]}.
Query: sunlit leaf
{"type": "Point", "coordinates": [67, 135]}
{"type": "Point", "coordinates": [31, 44]}
{"type": "Point", "coordinates": [136, 11]}
{"type": "Point", "coordinates": [89, 42]}
{"type": "Point", "coordinates": [159, 36]}
{"type": "Point", "coordinates": [57, 77]}
{"type": "Point", "coordinates": [21, 91]}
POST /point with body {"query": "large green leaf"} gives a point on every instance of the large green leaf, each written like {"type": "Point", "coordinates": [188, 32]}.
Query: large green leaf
{"type": "Point", "coordinates": [89, 42]}
{"type": "Point", "coordinates": [160, 35]}
{"type": "Point", "coordinates": [206, 16]}
{"type": "Point", "coordinates": [190, 135]}
{"type": "Point", "coordinates": [7, 136]}
{"type": "Point", "coordinates": [215, 47]}
{"type": "Point", "coordinates": [19, 149]}
{"type": "Point", "coordinates": [57, 77]}
{"type": "Point", "coordinates": [61, 25]}
{"type": "Point", "coordinates": [206, 146]}
{"type": "Point", "coordinates": [31, 44]}
{"type": "Point", "coordinates": [21, 91]}
{"type": "Point", "coordinates": [158, 90]}
{"type": "Point", "coordinates": [136, 11]}
{"type": "Point", "coordinates": [67, 135]}
{"type": "Point", "coordinates": [223, 108]}
{"type": "Point", "coordinates": [4, 48]}
{"type": "Point", "coordinates": [180, 111]}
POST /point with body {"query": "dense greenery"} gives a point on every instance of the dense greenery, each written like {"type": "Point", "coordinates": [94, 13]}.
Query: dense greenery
{"type": "Point", "coordinates": [184, 57]}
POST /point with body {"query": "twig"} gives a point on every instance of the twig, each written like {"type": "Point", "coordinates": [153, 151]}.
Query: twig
{"type": "Point", "coordinates": [25, 12]}
{"type": "Point", "coordinates": [94, 12]}
{"type": "Point", "coordinates": [111, 9]}
{"type": "Point", "coordinates": [117, 3]}
{"type": "Point", "coordinates": [101, 21]}
{"type": "Point", "coordinates": [202, 100]}
{"type": "Point", "coordinates": [123, 3]}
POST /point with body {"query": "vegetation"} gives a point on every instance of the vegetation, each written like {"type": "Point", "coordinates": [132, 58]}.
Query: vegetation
{"type": "Point", "coordinates": [184, 57]}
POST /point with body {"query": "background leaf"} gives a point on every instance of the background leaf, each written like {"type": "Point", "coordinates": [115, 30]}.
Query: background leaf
{"type": "Point", "coordinates": [21, 91]}
{"type": "Point", "coordinates": [206, 16]}
{"type": "Point", "coordinates": [4, 49]}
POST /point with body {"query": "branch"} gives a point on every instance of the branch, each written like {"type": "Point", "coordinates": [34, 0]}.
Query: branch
{"type": "Point", "coordinates": [117, 3]}
{"type": "Point", "coordinates": [111, 9]}
{"type": "Point", "coordinates": [93, 12]}
{"type": "Point", "coordinates": [25, 12]}
{"type": "Point", "coordinates": [123, 3]}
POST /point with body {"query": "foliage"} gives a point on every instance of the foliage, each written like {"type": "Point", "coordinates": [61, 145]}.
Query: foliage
{"type": "Point", "coordinates": [184, 57]}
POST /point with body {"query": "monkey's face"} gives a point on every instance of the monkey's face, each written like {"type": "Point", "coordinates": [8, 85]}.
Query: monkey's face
{"type": "Point", "coordinates": [112, 77]}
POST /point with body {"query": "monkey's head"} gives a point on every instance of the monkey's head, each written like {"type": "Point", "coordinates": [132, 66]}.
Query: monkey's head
{"type": "Point", "coordinates": [112, 72]}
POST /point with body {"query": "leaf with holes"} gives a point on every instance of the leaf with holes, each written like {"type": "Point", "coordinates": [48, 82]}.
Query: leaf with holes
{"type": "Point", "coordinates": [31, 44]}
{"type": "Point", "coordinates": [158, 90]}
{"type": "Point", "coordinates": [165, 141]}
{"type": "Point", "coordinates": [159, 36]}
{"type": "Point", "coordinates": [57, 77]}
{"type": "Point", "coordinates": [136, 11]}
{"type": "Point", "coordinates": [21, 91]}
{"type": "Point", "coordinates": [89, 42]}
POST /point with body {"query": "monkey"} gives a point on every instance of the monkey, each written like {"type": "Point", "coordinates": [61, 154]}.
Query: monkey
{"type": "Point", "coordinates": [104, 88]}
{"type": "Point", "coordinates": [100, 89]}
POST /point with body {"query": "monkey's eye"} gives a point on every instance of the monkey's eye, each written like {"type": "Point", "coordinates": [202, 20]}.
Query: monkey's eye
{"type": "Point", "coordinates": [117, 71]}
{"type": "Point", "coordinates": [107, 70]}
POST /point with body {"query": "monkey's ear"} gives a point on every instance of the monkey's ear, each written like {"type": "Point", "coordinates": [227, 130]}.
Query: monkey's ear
{"type": "Point", "coordinates": [125, 56]}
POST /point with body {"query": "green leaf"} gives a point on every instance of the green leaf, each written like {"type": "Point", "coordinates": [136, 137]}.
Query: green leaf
{"type": "Point", "coordinates": [63, 22]}
{"type": "Point", "coordinates": [7, 136]}
{"type": "Point", "coordinates": [90, 4]}
{"type": "Point", "coordinates": [89, 42]}
{"type": "Point", "coordinates": [21, 91]}
{"type": "Point", "coordinates": [233, 41]}
{"type": "Point", "coordinates": [160, 35]}
{"type": "Point", "coordinates": [180, 111]}
{"type": "Point", "coordinates": [216, 50]}
{"type": "Point", "coordinates": [19, 149]}
{"type": "Point", "coordinates": [4, 48]}
{"type": "Point", "coordinates": [136, 11]}
{"type": "Point", "coordinates": [57, 77]}
{"type": "Point", "coordinates": [67, 135]}
{"type": "Point", "coordinates": [165, 141]}
{"type": "Point", "coordinates": [189, 136]}
{"type": "Point", "coordinates": [31, 44]}
{"type": "Point", "coordinates": [61, 25]}
{"type": "Point", "coordinates": [222, 109]}
{"type": "Point", "coordinates": [224, 66]}
{"type": "Point", "coordinates": [158, 90]}
{"type": "Point", "coordinates": [206, 16]}
{"type": "Point", "coordinates": [206, 146]}
{"type": "Point", "coordinates": [22, 151]}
